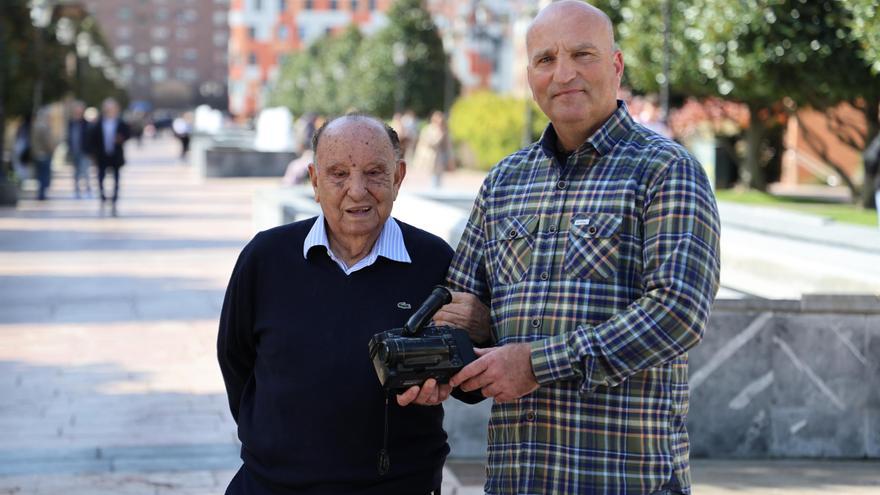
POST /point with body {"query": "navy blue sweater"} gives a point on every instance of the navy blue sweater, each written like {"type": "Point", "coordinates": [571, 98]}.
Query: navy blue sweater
{"type": "Point", "coordinates": [292, 347]}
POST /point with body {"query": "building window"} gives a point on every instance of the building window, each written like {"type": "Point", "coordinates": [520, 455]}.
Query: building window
{"type": "Point", "coordinates": [220, 18]}
{"type": "Point", "coordinates": [334, 5]}
{"type": "Point", "coordinates": [190, 54]}
{"type": "Point", "coordinates": [182, 34]}
{"type": "Point", "coordinates": [220, 39]}
{"type": "Point", "coordinates": [122, 52]}
{"type": "Point", "coordinates": [354, 5]}
{"type": "Point", "coordinates": [282, 5]}
{"type": "Point", "coordinates": [252, 58]}
{"type": "Point", "coordinates": [158, 54]}
{"type": "Point", "coordinates": [252, 32]}
{"type": "Point", "coordinates": [309, 5]}
{"type": "Point", "coordinates": [124, 13]}
{"type": "Point", "coordinates": [161, 32]}
{"type": "Point", "coordinates": [158, 74]}
{"type": "Point", "coordinates": [162, 14]}
{"type": "Point", "coordinates": [186, 74]}
{"type": "Point", "coordinates": [372, 5]}
{"type": "Point", "coordinates": [187, 16]}
{"type": "Point", "coordinates": [282, 32]}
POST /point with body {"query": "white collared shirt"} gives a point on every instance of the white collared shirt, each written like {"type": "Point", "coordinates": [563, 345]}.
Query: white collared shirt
{"type": "Point", "coordinates": [109, 128]}
{"type": "Point", "coordinates": [389, 245]}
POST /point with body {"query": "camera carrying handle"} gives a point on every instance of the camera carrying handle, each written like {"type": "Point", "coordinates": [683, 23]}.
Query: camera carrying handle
{"type": "Point", "coordinates": [439, 296]}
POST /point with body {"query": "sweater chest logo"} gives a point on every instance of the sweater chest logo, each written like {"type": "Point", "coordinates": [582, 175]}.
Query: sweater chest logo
{"type": "Point", "coordinates": [404, 305]}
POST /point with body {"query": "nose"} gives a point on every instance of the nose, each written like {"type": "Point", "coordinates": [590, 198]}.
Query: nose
{"type": "Point", "coordinates": [357, 188]}
{"type": "Point", "coordinates": [564, 70]}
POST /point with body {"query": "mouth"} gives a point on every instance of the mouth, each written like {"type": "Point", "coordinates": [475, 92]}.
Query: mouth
{"type": "Point", "coordinates": [359, 210]}
{"type": "Point", "coordinates": [568, 92]}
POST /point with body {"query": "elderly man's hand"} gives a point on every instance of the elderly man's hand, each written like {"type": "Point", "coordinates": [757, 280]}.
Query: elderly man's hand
{"type": "Point", "coordinates": [468, 312]}
{"type": "Point", "coordinates": [429, 394]}
{"type": "Point", "coordinates": [503, 373]}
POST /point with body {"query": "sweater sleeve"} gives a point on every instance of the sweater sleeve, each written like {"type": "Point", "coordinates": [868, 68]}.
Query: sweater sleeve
{"type": "Point", "coordinates": [236, 346]}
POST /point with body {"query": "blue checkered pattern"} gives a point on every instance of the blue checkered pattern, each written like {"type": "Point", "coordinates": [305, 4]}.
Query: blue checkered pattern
{"type": "Point", "coordinates": [607, 263]}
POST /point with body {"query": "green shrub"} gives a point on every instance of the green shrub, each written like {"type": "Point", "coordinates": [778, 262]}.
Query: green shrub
{"type": "Point", "coordinates": [491, 126]}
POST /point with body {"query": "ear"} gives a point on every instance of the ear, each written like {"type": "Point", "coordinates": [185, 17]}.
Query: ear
{"type": "Point", "coordinates": [313, 177]}
{"type": "Point", "coordinates": [399, 174]}
{"type": "Point", "coordinates": [618, 66]}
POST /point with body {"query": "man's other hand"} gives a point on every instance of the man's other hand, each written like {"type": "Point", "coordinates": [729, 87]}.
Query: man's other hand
{"type": "Point", "coordinates": [468, 312]}
{"type": "Point", "coordinates": [503, 373]}
{"type": "Point", "coordinates": [429, 394]}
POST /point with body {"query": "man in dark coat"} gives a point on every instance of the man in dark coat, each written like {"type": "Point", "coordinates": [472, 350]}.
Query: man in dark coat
{"type": "Point", "coordinates": [108, 137]}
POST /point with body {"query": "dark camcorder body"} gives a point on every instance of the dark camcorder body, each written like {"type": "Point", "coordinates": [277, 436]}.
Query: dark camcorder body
{"type": "Point", "coordinates": [408, 356]}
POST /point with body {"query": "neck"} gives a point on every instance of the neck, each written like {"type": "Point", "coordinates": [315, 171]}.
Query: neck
{"type": "Point", "coordinates": [352, 249]}
{"type": "Point", "coordinates": [571, 137]}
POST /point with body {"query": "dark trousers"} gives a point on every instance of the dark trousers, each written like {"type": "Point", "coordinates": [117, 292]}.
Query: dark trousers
{"type": "Point", "coordinates": [102, 172]}
{"type": "Point", "coordinates": [44, 175]}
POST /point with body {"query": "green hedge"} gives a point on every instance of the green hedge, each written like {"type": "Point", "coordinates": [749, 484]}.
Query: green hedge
{"type": "Point", "coordinates": [491, 126]}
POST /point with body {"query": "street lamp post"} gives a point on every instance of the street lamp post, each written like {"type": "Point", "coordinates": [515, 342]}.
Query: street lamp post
{"type": "Point", "coordinates": [41, 16]}
{"type": "Point", "coordinates": [398, 56]}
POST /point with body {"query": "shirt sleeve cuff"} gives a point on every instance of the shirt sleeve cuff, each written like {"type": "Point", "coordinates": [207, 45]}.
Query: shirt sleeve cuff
{"type": "Point", "coordinates": [551, 361]}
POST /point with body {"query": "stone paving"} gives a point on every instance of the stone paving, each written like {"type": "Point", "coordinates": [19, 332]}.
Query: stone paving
{"type": "Point", "coordinates": [108, 379]}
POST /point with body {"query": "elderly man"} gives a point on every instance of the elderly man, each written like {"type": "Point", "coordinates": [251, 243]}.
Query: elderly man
{"type": "Point", "coordinates": [303, 301]}
{"type": "Point", "coordinates": [596, 250]}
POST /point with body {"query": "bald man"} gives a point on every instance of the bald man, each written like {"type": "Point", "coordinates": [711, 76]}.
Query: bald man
{"type": "Point", "coordinates": [596, 252]}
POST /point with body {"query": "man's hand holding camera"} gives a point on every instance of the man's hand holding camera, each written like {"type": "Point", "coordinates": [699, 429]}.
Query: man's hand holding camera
{"type": "Point", "coordinates": [502, 373]}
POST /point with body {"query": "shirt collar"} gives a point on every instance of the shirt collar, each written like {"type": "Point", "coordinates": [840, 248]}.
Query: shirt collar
{"type": "Point", "coordinates": [389, 245]}
{"type": "Point", "coordinates": [601, 142]}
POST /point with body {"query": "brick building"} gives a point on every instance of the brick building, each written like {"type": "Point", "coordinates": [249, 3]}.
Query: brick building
{"type": "Point", "coordinates": [262, 32]}
{"type": "Point", "coordinates": [172, 53]}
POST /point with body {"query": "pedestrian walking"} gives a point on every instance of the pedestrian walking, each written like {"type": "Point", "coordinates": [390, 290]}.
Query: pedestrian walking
{"type": "Point", "coordinates": [872, 169]}
{"type": "Point", "coordinates": [42, 147]}
{"type": "Point", "coordinates": [108, 137]}
{"type": "Point", "coordinates": [433, 151]}
{"type": "Point", "coordinates": [78, 129]}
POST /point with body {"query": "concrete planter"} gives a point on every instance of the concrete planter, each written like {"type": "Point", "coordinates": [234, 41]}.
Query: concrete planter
{"type": "Point", "coordinates": [8, 192]}
{"type": "Point", "coordinates": [238, 162]}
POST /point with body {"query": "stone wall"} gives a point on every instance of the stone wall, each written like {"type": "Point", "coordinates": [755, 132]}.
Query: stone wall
{"type": "Point", "coordinates": [771, 378]}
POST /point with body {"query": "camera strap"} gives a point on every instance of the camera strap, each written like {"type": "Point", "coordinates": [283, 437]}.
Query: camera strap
{"type": "Point", "coordinates": [384, 460]}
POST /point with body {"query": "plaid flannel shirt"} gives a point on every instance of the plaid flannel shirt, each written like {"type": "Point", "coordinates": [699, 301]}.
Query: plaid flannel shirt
{"type": "Point", "coordinates": [607, 264]}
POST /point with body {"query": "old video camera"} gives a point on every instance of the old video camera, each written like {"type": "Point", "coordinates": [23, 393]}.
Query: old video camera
{"type": "Point", "coordinates": [408, 356]}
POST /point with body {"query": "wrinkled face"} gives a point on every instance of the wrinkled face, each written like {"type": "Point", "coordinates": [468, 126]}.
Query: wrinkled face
{"type": "Point", "coordinates": [574, 70]}
{"type": "Point", "coordinates": [356, 177]}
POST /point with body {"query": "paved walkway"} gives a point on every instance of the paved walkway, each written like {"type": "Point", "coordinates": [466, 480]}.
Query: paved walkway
{"type": "Point", "coordinates": [108, 381]}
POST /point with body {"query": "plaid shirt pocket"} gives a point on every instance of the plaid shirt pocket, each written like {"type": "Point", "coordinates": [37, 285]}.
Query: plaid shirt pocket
{"type": "Point", "coordinates": [593, 246]}
{"type": "Point", "coordinates": [513, 243]}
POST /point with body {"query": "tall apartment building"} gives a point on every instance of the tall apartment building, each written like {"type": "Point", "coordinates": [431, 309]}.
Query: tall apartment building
{"type": "Point", "coordinates": [262, 32]}
{"type": "Point", "coordinates": [172, 53]}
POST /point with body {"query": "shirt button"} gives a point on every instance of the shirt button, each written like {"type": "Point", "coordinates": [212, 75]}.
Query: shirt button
{"type": "Point", "coordinates": [536, 323]}
{"type": "Point", "coordinates": [561, 185]}
{"type": "Point", "coordinates": [545, 275]}
{"type": "Point", "coordinates": [511, 234]}
{"type": "Point", "coordinates": [552, 229]}
{"type": "Point", "coordinates": [530, 416]}
{"type": "Point", "coordinates": [591, 230]}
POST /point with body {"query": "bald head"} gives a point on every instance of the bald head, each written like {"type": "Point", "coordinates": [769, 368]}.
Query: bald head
{"type": "Point", "coordinates": [592, 17]}
{"type": "Point", "coordinates": [346, 123]}
{"type": "Point", "coordinates": [574, 69]}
